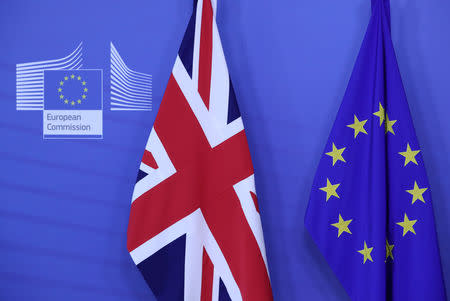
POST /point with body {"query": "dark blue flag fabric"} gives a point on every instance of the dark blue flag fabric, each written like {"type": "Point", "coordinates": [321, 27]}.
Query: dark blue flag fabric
{"type": "Point", "coordinates": [370, 211]}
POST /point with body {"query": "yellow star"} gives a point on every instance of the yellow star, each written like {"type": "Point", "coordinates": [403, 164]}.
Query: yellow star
{"type": "Point", "coordinates": [342, 225]}
{"type": "Point", "coordinates": [330, 189]}
{"type": "Point", "coordinates": [389, 250]}
{"type": "Point", "coordinates": [61, 96]}
{"type": "Point", "coordinates": [59, 89]}
{"type": "Point", "coordinates": [336, 154]}
{"type": "Point", "coordinates": [410, 155]}
{"type": "Point", "coordinates": [66, 78]}
{"type": "Point", "coordinates": [66, 101]}
{"type": "Point", "coordinates": [61, 83]}
{"type": "Point", "coordinates": [72, 103]}
{"type": "Point", "coordinates": [85, 89]}
{"type": "Point", "coordinates": [84, 83]}
{"type": "Point", "coordinates": [72, 76]}
{"type": "Point", "coordinates": [389, 124]}
{"type": "Point", "coordinates": [407, 225]}
{"type": "Point", "coordinates": [79, 77]}
{"type": "Point", "coordinates": [366, 252]}
{"type": "Point", "coordinates": [79, 100]}
{"type": "Point", "coordinates": [380, 113]}
{"type": "Point", "coordinates": [84, 96]}
{"type": "Point", "coordinates": [417, 193]}
{"type": "Point", "coordinates": [358, 126]}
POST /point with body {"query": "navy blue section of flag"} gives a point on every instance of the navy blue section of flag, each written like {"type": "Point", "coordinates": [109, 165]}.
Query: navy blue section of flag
{"type": "Point", "coordinates": [166, 268]}
{"type": "Point", "coordinates": [73, 89]}
{"type": "Point", "coordinates": [370, 210]}
{"type": "Point", "coordinates": [141, 175]}
{"type": "Point", "coordinates": [223, 294]}
{"type": "Point", "coordinates": [233, 108]}
{"type": "Point", "coordinates": [186, 50]}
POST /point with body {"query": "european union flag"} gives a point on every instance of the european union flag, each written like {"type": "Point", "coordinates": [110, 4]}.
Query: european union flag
{"type": "Point", "coordinates": [370, 210]}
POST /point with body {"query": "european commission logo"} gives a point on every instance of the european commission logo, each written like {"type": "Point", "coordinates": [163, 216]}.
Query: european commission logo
{"type": "Point", "coordinates": [71, 98]}
{"type": "Point", "coordinates": [72, 104]}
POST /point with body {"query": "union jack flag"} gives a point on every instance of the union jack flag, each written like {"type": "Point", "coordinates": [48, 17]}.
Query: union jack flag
{"type": "Point", "coordinates": [195, 230]}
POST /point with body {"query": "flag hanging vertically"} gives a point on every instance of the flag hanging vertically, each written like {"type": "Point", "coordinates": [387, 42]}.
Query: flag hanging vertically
{"type": "Point", "coordinates": [370, 210]}
{"type": "Point", "coordinates": [195, 231]}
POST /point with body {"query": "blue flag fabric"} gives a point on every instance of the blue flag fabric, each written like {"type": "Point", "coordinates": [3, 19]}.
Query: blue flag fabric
{"type": "Point", "coordinates": [370, 210]}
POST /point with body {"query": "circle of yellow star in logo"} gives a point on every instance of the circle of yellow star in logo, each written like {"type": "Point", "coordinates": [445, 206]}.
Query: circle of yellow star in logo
{"type": "Point", "coordinates": [77, 80]}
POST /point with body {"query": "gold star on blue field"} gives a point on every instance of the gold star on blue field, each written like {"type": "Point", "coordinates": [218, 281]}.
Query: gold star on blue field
{"type": "Point", "coordinates": [330, 189]}
{"type": "Point", "coordinates": [342, 225]}
{"type": "Point", "coordinates": [380, 113]}
{"type": "Point", "coordinates": [366, 252]}
{"type": "Point", "coordinates": [389, 125]}
{"type": "Point", "coordinates": [410, 155]}
{"type": "Point", "coordinates": [407, 225]}
{"type": "Point", "coordinates": [417, 193]}
{"type": "Point", "coordinates": [357, 126]}
{"type": "Point", "coordinates": [389, 250]}
{"type": "Point", "coordinates": [336, 154]}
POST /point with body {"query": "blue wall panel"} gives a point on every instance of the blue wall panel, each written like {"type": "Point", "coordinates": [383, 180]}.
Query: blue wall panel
{"type": "Point", "coordinates": [65, 203]}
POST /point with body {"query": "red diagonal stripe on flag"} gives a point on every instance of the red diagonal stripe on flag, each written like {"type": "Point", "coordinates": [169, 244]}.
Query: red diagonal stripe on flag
{"type": "Point", "coordinates": [255, 200]}
{"type": "Point", "coordinates": [207, 277]}
{"type": "Point", "coordinates": [205, 56]}
{"type": "Point", "coordinates": [149, 160]}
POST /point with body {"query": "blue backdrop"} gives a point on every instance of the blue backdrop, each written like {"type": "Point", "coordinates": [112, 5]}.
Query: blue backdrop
{"type": "Point", "coordinates": [65, 203]}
